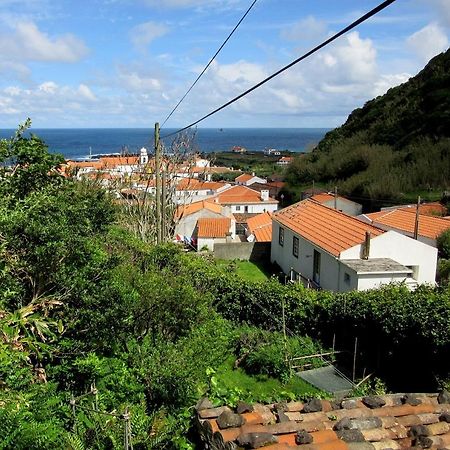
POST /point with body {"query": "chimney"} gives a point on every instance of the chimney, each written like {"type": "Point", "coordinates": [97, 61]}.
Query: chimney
{"type": "Point", "coordinates": [253, 174]}
{"type": "Point", "coordinates": [265, 195]}
{"type": "Point", "coordinates": [366, 246]}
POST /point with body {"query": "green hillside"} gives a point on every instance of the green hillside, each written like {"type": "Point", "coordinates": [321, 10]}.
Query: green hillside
{"type": "Point", "coordinates": [394, 147]}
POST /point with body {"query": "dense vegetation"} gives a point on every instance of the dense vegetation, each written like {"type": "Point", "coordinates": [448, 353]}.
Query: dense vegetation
{"type": "Point", "coordinates": [397, 144]}
{"type": "Point", "coordinates": [95, 323]}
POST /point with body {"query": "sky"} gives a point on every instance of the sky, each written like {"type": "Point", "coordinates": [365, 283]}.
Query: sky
{"type": "Point", "coordinates": [126, 63]}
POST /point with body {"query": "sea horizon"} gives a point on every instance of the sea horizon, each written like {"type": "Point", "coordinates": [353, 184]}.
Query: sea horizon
{"type": "Point", "coordinates": [79, 143]}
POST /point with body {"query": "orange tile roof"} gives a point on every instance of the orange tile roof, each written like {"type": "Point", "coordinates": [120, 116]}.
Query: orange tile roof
{"type": "Point", "coordinates": [326, 197]}
{"type": "Point", "coordinates": [213, 228]}
{"type": "Point", "coordinates": [327, 228]}
{"type": "Point", "coordinates": [241, 194]}
{"type": "Point", "coordinates": [261, 227]}
{"type": "Point", "coordinates": [428, 209]}
{"type": "Point", "coordinates": [192, 184]}
{"type": "Point", "coordinates": [192, 208]}
{"type": "Point", "coordinates": [243, 178]}
{"type": "Point", "coordinates": [95, 164]}
{"type": "Point", "coordinates": [114, 161]}
{"type": "Point", "coordinates": [404, 220]}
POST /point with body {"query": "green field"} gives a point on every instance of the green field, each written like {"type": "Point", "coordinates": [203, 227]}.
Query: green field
{"type": "Point", "coordinates": [247, 270]}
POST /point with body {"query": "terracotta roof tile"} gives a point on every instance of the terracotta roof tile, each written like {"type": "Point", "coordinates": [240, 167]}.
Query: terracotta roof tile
{"type": "Point", "coordinates": [213, 228]}
{"type": "Point", "coordinates": [192, 184]}
{"type": "Point", "coordinates": [404, 220]}
{"type": "Point", "coordinates": [192, 208]}
{"type": "Point", "coordinates": [382, 428]}
{"type": "Point", "coordinates": [332, 230]}
{"type": "Point", "coordinates": [243, 178]}
{"type": "Point", "coordinates": [326, 197]}
{"type": "Point", "coordinates": [261, 227]}
{"type": "Point", "coordinates": [241, 195]}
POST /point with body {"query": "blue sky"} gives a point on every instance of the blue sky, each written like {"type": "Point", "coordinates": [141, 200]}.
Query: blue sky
{"type": "Point", "coordinates": [126, 63]}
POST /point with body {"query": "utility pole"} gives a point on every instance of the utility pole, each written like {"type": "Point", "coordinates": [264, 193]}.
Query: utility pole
{"type": "Point", "coordinates": [158, 183]}
{"type": "Point", "coordinates": [335, 197]}
{"type": "Point", "coordinates": [163, 206]}
{"type": "Point", "coordinates": [416, 223]}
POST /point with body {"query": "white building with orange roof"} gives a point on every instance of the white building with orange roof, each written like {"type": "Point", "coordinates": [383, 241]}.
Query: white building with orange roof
{"type": "Point", "coordinates": [340, 203]}
{"type": "Point", "coordinates": [325, 248]}
{"type": "Point", "coordinates": [246, 179]}
{"type": "Point", "coordinates": [242, 199]}
{"type": "Point", "coordinates": [187, 216]}
{"type": "Point", "coordinates": [403, 220]}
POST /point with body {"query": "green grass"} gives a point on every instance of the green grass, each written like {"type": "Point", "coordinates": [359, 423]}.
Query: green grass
{"type": "Point", "coordinates": [248, 270]}
{"type": "Point", "coordinates": [232, 385]}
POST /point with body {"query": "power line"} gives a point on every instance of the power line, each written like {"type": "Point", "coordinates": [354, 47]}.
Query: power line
{"type": "Point", "coordinates": [354, 24]}
{"type": "Point", "coordinates": [210, 62]}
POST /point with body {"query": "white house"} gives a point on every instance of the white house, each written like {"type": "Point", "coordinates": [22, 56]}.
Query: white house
{"type": "Point", "coordinates": [187, 216]}
{"type": "Point", "coordinates": [328, 249]}
{"type": "Point", "coordinates": [340, 203]}
{"type": "Point", "coordinates": [285, 161]}
{"type": "Point", "coordinates": [246, 180]}
{"type": "Point", "coordinates": [242, 199]}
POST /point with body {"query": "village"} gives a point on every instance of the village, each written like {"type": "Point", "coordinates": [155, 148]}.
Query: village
{"type": "Point", "coordinates": [324, 241]}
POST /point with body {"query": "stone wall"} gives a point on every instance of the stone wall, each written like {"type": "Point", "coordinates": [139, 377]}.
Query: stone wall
{"type": "Point", "coordinates": [247, 251]}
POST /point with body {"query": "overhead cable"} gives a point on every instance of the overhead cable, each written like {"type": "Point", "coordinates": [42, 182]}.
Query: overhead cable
{"type": "Point", "coordinates": [354, 24]}
{"type": "Point", "coordinates": [210, 62]}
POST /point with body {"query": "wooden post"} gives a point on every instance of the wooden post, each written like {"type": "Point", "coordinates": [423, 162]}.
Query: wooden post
{"type": "Point", "coordinates": [354, 359]}
{"type": "Point", "coordinates": [416, 223]}
{"type": "Point", "coordinates": [335, 197]}
{"type": "Point", "coordinates": [285, 338]}
{"type": "Point", "coordinates": [158, 183]}
{"type": "Point", "coordinates": [334, 341]}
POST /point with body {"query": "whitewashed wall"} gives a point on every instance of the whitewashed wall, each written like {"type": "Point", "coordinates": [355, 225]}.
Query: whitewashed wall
{"type": "Point", "coordinates": [404, 250]}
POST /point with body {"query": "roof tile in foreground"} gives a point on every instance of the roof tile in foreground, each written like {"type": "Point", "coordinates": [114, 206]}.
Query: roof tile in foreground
{"type": "Point", "coordinates": [213, 228]}
{"type": "Point", "coordinates": [332, 230]}
{"type": "Point", "coordinates": [404, 421]}
{"type": "Point", "coordinates": [404, 220]}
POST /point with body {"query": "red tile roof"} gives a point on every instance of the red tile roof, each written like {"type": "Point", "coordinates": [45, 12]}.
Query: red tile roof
{"type": "Point", "coordinates": [412, 421]}
{"type": "Point", "coordinates": [241, 195]}
{"type": "Point", "coordinates": [404, 220]}
{"type": "Point", "coordinates": [332, 230]}
{"type": "Point", "coordinates": [261, 227]}
{"type": "Point", "coordinates": [192, 208]}
{"type": "Point", "coordinates": [213, 228]}
{"type": "Point", "coordinates": [192, 184]}
{"type": "Point", "coordinates": [243, 178]}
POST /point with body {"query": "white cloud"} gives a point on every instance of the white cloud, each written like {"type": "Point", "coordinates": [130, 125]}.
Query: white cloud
{"type": "Point", "coordinates": [309, 29]}
{"type": "Point", "coordinates": [136, 80]}
{"type": "Point", "coordinates": [429, 41]}
{"type": "Point", "coordinates": [443, 10]}
{"type": "Point", "coordinates": [190, 3]}
{"type": "Point", "coordinates": [142, 35]}
{"type": "Point", "coordinates": [27, 43]}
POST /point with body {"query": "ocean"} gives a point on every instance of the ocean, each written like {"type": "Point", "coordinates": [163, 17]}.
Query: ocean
{"type": "Point", "coordinates": [79, 143]}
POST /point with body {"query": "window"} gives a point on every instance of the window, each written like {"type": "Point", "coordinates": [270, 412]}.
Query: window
{"type": "Point", "coordinates": [295, 245]}
{"type": "Point", "coordinates": [281, 236]}
{"type": "Point", "coordinates": [238, 208]}
{"type": "Point", "coordinates": [347, 278]}
{"type": "Point", "coordinates": [246, 209]}
{"type": "Point", "coordinates": [316, 267]}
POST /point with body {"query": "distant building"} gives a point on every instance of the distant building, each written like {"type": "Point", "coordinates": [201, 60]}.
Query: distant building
{"type": "Point", "coordinates": [340, 203]}
{"type": "Point", "coordinates": [272, 152]}
{"type": "Point", "coordinates": [246, 180]}
{"type": "Point", "coordinates": [238, 149]}
{"type": "Point", "coordinates": [285, 161]}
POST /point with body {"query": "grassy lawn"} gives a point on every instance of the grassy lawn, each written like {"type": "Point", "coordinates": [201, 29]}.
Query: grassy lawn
{"type": "Point", "coordinates": [248, 270]}
{"type": "Point", "coordinates": [232, 385]}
